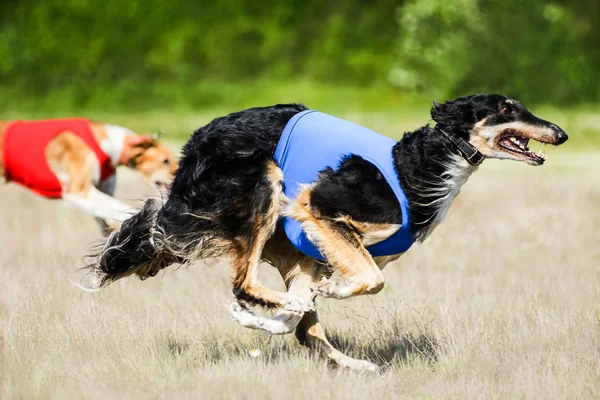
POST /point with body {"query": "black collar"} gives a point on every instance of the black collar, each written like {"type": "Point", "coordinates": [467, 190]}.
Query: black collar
{"type": "Point", "coordinates": [469, 152]}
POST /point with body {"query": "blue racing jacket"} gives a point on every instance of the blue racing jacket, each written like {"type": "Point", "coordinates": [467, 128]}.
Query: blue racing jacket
{"type": "Point", "coordinates": [313, 141]}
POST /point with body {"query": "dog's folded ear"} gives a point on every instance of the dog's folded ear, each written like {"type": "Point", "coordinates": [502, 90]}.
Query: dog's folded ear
{"type": "Point", "coordinates": [440, 113]}
{"type": "Point", "coordinates": [143, 141]}
{"type": "Point", "coordinates": [455, 115]}
{"type": "Point", "coordinates": [136, 146]}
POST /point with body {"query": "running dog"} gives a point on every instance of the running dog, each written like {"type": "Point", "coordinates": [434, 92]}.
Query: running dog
{"type": "Point", "coordinates": [76, 160]}
{"type": "Point", "coordinates": [327, 202]}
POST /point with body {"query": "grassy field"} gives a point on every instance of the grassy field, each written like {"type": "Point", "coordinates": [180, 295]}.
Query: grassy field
{"type": "Point", "coordinates": [379, 107]}
{"type": "Point", "coordinates": [503, 301]}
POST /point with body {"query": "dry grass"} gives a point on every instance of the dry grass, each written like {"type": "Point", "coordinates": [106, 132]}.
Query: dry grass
{"type": "Point", "coordinates": [502, 302]}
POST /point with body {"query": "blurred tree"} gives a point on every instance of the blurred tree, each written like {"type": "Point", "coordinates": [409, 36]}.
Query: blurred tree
{"type": "Point", "coordinates": [537, 51]}
{"type": "Point", "coordinates": [88, 43]}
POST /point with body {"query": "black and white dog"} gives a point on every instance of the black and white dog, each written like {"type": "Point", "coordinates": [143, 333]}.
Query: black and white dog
{"type": "Point", "coordinates": [227, 199]}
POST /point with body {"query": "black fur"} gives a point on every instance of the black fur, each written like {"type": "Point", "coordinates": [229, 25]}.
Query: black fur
{"type": "Point", "coordinates": [356, 188]}
{"type": "Point", "coordinates": [132, 245]}
{"type": "Point", "coordinates": [421, 158]}
{"type": "Point", "coordinates": [222, 172]}
{"type": "Point", "coordinates": [221, 190]}
{"type": "Point", "coordinates": [458, 116]}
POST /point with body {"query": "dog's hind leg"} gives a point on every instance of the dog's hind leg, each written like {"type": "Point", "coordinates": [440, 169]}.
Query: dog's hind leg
{"type": "Point", "coordinates": [248, 251]}
{"type": "Point", "coordinates": [300, 279]}
{"type": "Point", "coordinates": [309, 330]}
{"type": "Point", "coordinates": [311, 334]}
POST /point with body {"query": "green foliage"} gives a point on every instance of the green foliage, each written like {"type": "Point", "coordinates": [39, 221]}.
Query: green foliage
{"type": "Point", "coordinates": [183, 53]}
{"type": "Point", "coordinates": [537, 51]}
{"type": "Point", "coordinates": [91, 45]}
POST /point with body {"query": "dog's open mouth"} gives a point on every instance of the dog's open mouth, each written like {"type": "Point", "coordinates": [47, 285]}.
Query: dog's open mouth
{"type": "Point", "coordinates": [518, 144]}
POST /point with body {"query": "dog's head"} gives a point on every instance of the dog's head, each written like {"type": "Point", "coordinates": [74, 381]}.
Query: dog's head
{"type": "Point", "coordinates": [152, 159]}
{"type": "Point", "coordinates": [498, 126]}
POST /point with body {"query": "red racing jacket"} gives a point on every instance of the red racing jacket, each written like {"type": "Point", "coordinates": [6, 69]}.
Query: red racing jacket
{"type": "Point", "coordinates": [24, 153]}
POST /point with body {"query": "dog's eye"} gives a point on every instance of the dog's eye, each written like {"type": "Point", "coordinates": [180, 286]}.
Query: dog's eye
{"type": "Point", "coordinates": [166, 162]}
{"type": "Point", "coordinates": [506, 109]}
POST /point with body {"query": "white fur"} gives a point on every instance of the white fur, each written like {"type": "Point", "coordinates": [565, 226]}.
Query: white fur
{"type": "Point", "coordinates": [116, 140]}
{"type": "Point", "coordinates": [282, 323]}
{"type": "Point", "coordinates": [377, 236]}
{"type": "Point", "coordinates": [96, 203]}
{"type": "Point", "coordinates": [101, 205]}
{"type": "Point", "coordinates": [457, 173]}
{"type": "Point", "coordinates": [99, 201]}
{"type": "Point", "coordinates": [96, 173]}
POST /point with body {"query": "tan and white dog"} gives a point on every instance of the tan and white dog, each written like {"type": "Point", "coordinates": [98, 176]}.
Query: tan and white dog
{"type": "Point", "coordinates": [76, 160]}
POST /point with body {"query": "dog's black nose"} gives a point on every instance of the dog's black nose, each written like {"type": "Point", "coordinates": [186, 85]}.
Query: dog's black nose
{"type": "Point", "coordinates": [561, 136]}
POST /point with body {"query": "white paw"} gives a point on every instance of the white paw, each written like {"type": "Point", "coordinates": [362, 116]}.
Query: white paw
{"type": "Point", "coordinates": [281, 324]}
{"type": "Point", "coordinates": [358, 365]}
{"type": "Point", "coordinates": [299, 304]}
{"type": "Point", "coordinates": [241, 314]}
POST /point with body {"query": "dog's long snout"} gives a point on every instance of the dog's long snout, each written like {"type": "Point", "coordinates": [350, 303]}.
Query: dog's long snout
{"type": "Point", "coordinates": [559, 134]}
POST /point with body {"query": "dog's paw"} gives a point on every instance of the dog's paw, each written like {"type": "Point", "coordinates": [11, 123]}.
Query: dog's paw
{"type": "Point", "coordinates": [280, 324]}
{"type": "Point", "coordinates": [361, 366]}
{"type": "Point", "coordinates": [299, 304]}
{"type": "Point", "coordinates": [333, 288]}
{"type": "Point", "coordinates": [241, 314]}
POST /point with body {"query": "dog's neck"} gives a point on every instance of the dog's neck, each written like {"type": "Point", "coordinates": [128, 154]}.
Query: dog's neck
{"type": "Point", "coordinates": [431, 171]}
{"type": "Point", "coordinates": [126, 155]}
{"type": "Point", "coordinates": [117, 146]}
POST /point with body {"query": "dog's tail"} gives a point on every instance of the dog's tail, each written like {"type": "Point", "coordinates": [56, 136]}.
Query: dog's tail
{"type": "Point", "coordinates": [130, 250]}
{"type": "Point", "coordinates": [150, 241]}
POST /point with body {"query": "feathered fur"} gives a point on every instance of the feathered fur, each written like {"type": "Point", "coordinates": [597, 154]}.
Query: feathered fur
{"type": "Point", "coordinates": [226, 196]}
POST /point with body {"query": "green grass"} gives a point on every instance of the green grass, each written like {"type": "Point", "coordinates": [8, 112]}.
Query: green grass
{"type": "Point", "coordinates": [217, 95]}
{"type": "Point", "coordinates": [179, 111]}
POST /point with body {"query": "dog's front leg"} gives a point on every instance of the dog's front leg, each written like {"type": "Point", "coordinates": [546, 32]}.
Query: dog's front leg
{"type": "Point", "coordinates": [101, 205]}
{"type": "Point", "coordinates": [108, 187]}
{"type": "Point", "coordinates": [311, 334]}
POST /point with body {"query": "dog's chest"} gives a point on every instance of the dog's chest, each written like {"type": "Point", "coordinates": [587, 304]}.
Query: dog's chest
{"type": "Point", "coordinates": [441, 196]}
{"type": "Point", "coordinates": [113, 145]}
